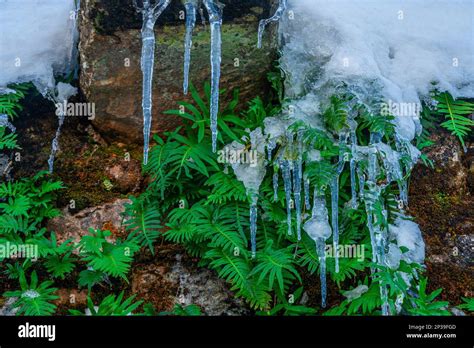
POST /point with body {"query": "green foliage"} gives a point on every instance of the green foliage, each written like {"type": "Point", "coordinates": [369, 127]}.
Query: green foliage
{"type": "Point", "coordinates": [456, 114]}
{"type": "Point", "coordinates": [103, 256]}
{"type": "Point", "coordinates": [111, 306]}
{"type": "Point", "coordinates": [178, 310]}
{"type": "Point", "coordinates": [425, 303]}
{"type": "Point", "coordinates": [142, 222]}
{"type": "Point", "coordinates": [468, 304]}
{"type": "Point", "coordinates": [33, 298]}
{"type": "Point", "coordinates": [335, 116]}
{"type": "Point", "coordinates": [26, 204]}
{"type": "Point", "coordinates": [60, 261]}
{"type": "Point", "coordinates": [10, 103]}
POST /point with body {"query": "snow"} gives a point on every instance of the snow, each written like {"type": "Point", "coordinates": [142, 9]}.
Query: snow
{"type": "Point", "coordinates": [400, 46]}
{"type": "Point", "coordinates": [36, 40]}
{"type": "Point", "coordinates": [407, 234]}
{"type": "Point", "coordinates": [356, 292]}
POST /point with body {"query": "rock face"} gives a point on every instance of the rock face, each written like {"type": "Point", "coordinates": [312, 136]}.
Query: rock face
{"type": "Point", "coordinates": [441, 201]}
{"type": "Point", "coordinates": [74, 226]}
{"type": "Point", "coordinates": [110, 48]}
{"type": "Point", "coordinates": [173, 278]}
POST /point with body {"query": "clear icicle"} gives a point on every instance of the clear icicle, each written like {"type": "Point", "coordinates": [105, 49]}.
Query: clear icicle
{"type": "Point", "coordinates": [335, 208]}
{"type": "Point", "coordinates": [335, 217]}
{"type": "Point", "coordinates": [5, 123]}
{"type": "Point", "coordinates": [306, 194]}
{"type": "Point", "coordinates": [297, 177]}
{"type": "Point", "coordinates": [275, 18]}
{"type": "Point", "coordinates": [286, 174]}
{"type": "Point", "coordinates": [352, 166]}
{"type": "Point", "coordinates": [319, 230]}
{"type": "Point", "coordinates": [191, 9]}
{"type": "Point", "coordinates": [150, 14]}
{"type": "Point", "coordinates": [55, 143]}
{"type": "Point", "coordinates": [275, 183]}
{"type": "Point", "coordinates": [59, 96]}
{"type": "Point", "coordinates": [253, 223]}
{"type": "Point", "coordinates": [214, 9]}
{"type": "Point", "coordinates": [271, 145]}
{"type": "Point", "coordinates": [321, 251]}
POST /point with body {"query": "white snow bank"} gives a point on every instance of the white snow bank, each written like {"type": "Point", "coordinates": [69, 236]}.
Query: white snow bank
{"type": "Point", "coordinates": [395, 47]}
{"type": "Point", "coordinates": [36, 40]}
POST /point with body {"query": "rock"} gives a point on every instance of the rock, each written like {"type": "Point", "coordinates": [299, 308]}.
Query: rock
{"type": "Point", "coordinates": [450, 174]}
{"type": "Point", "coordinates": [7, 307]}
{"type": "Point", "coordinates": [177, 280]}
{"type": "Point", "coordinates": [71, 298]}
{"type": "Point", "coordinates": [74, 226]}
{"type": "Point", "coordinates": [110, 48]}
{"type": "Point", "coordinates": [126, 175]}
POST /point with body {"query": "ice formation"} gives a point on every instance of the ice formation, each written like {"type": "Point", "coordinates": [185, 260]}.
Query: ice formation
{"type": "Point", "coordinates": [364, 50]}
{"type": "Point", "coordinates": [251, 175]}
{"type": "Point", "coordinates": [150, 14]}
{"type": "Point", "coordinates": [60, 95]}
{"type": "Point", "coordinates": [214, 9]}
{"type": "Point", "coordinates": [191, 8]}
{"type": "Point", "coordinates": [275, 18]}
{"type": "Point", "coordinates": [356, 292]}
{"type": "Point", "coordinates": [318, 228]}
{"type": "Point", "coordinates": [51, 23]}
{"type": "Point", "coordinates": [151, 11]}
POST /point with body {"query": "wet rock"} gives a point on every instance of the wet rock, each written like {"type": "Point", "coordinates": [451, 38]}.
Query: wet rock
{"type": "Point", "coordinates": [71, 298]}
{"type": "Point", "coordinates": [176, 279]}
{"type": "Point", "coordinates": [7, 307]}
{"type": "Point", "coordinates": [125, 175]}
{"type": "Point", "coordinates": [450, 173]}
{"type": "Point", "coordinates": [73, 226]}
{"type": "Point", "coordinates": [110, 48]}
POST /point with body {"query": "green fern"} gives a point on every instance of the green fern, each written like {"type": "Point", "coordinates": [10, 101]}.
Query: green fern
{"type": "Point", "coordinates": [34, 298]}
{"type": "Point", "coordinates": [102, 256]}
{"type": "Point", "coordinates": [456, 114]}
{"type": "Point", "coordinates": [110, 306]}
{"type": "Point", "coordinates": [142, 222]}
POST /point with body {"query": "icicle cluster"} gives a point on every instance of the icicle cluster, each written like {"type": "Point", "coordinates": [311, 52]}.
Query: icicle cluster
{"type": "Point", "coordinates": [150, 14]}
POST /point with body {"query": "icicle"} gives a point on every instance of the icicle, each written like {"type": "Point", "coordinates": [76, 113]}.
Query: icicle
{"type": "Point", "coordinates": [59, 96]}
{"type": "Point", "coordinates": [55, 143]}
{"type": "Point", "coordinates": [335, 217]}
{"type": "Point", "coordinates": [214, 9]}
{"type": "Point", "coordinates": [321, 251]}
{"type": "Point", "coordinates": [275, 183]}
{"type": "Point", "coordinates": [286, 174]}
{"type": "Point", "coordinates": [150, 15]}
{"type": "Point", "coordinates": [297, 176]}
{"type": "Point", "coordinates": [275, 18]}
{"type": "Point", "coordinates": [5, 123]}
{"type": "Point", "coordinates": [253, 223]}
{"type": "Point", "coordinates": [191, 7]}
{"type": "Point", "coordinates": [306, 194]}
{"type": "Point", "coordinates": [319, 230]}
{"type": "Point", "coordinates": [271, 145]}
{"type": "Point", "coordinates": [352, 165]}
{"type": "Point", "coordinates": [335, 206]}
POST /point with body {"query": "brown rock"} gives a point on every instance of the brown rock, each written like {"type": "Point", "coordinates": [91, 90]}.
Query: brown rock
{"type": "Point", "coordinates": [110, 60]}
{"type": "Point", "coordinates": [74, 226]}
{"type": "Point", "coordinates": [126, 175]}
